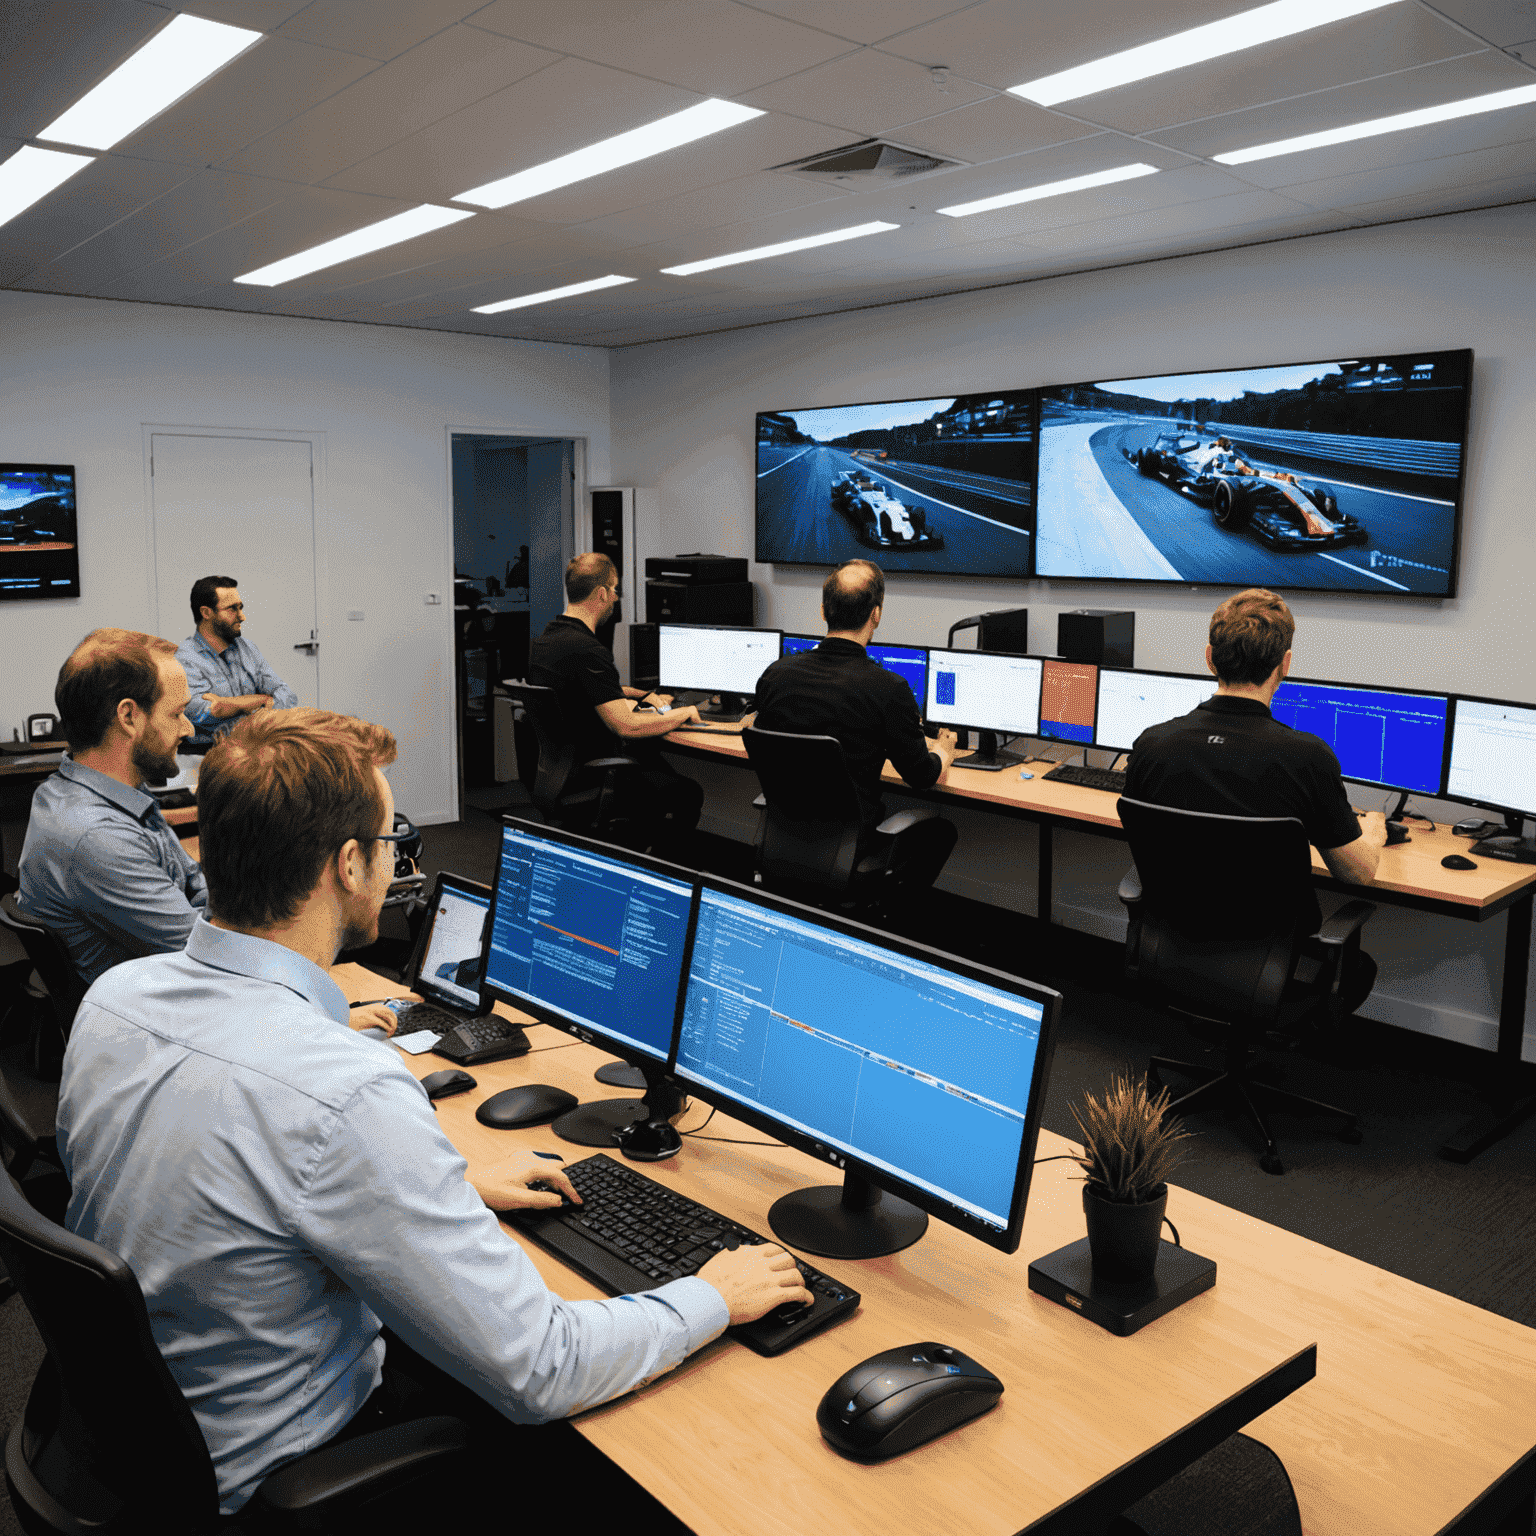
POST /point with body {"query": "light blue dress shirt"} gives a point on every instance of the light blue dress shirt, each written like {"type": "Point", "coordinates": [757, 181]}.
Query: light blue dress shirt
{"type": "Point", "coordinates": [101, 867]}
{"type": "Point", "coordinates": [279, 1185]}
{"type": "Point", "coordinates": [238, 670]}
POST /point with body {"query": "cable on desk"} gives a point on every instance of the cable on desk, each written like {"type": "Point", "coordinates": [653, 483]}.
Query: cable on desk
{"type": "Point", "coordinates": [734, 1141]}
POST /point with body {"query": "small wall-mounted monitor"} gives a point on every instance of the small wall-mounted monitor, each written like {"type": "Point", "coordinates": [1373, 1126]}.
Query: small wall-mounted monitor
{"type": "Point", "coordinates": [38, 550]}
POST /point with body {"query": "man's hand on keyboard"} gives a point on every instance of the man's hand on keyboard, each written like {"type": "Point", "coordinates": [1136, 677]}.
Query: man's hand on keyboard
{"type": "Point", "coordinates": [374, 1016]}
{"type": "Point", "coordinates": [756, 1278]}
{"type": "Point", "coordinates": [505, 1187]}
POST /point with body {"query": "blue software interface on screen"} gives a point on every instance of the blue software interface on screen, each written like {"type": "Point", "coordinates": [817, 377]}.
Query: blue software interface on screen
{"type": "Point", "coordinates": [1383, 738]}
{"type": "Point", "coordinates": [903, 1064]}
{"type": "Point", "coordinates": [908, 662]}
{"type": "Point", "coordinates": [597, 940]}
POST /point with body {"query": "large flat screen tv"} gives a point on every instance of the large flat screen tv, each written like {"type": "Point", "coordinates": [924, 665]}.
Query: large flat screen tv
{"type": "Point", "coordinates": [38, 557]}
{"type": "Point", "coordinates": [944, 485]}
{"type": "Point", "coordinates": [1342, 475]}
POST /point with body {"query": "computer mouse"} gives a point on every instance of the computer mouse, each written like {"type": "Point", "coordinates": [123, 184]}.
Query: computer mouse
{"type": "Point", "coordinates": [535, 1104]}
{"type": "Point", "coordinates": [902, 1398]}
{"type": "Point", "coordinates": [450, 1080]}
{"type": "Point", "coordinates": [1458, 861]}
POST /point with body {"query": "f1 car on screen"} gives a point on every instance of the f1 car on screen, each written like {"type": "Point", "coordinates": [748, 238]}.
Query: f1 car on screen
{"type": "Point", "coordinates": [878, 518]}
{"type": "Point", "coordinates": [36, 523]}
{"type": "Point", "coordinates": [1284, 512]}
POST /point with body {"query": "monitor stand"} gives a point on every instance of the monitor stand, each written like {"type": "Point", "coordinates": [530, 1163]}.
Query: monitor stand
{"type": "Point", "coordinates": [593, 1124]}
{"type": "Point", "coordinates": [851, 1220]}
{"type": "Point", "coordinates": [728, 711]}
{"type": "Point", "coordinates": [1511, 843]}
{"type": "Point", "coordinates": [988, 757]}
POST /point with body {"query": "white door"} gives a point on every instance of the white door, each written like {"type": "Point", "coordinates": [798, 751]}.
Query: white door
{"type": "Point", "coordinates": [241, 507]}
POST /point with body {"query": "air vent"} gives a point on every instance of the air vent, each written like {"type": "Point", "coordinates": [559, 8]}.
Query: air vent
{"type": "Point", "coordinates": [872, 162]}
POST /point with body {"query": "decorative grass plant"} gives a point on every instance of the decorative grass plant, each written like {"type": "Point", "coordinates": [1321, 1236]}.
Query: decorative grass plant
{"type": "Point", "coordinates": [1130, 1146]}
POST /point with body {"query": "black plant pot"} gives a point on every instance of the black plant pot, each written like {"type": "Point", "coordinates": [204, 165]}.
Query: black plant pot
{"type": "Point", "coordinates": [1122, 1237]}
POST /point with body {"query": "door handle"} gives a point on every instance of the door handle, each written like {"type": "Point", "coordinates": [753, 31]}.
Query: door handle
{"type": "Point", "coordinates": [311, 645]}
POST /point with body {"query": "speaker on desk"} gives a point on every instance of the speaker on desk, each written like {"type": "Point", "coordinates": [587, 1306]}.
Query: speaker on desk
{"type": "Point", "coordinates": [644, 655]}
{"type": "Point", "coordinates": [1004, 629]}
{"type": "Point", "coordinates": [1100, 635]}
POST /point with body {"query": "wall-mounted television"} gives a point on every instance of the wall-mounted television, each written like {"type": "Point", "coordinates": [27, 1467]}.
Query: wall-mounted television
{"type": "Point", "coordinates": [1343, 475]}
{"type": "Point", "coordinates": [38, 554]}
{"type": "Point", "coordinates": [943, 485]}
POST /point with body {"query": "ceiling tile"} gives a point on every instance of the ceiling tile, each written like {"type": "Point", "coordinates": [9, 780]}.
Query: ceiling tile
{"type": "Point", "coordinates": [1495, 162]}
{"type": "Point", "coordinates": [258, 15]}
{"type": "Point", "coordinates": [713, 46]}
{"type": "Point", "coordinates": [1249, 210]}
{"type": "Point", "coordinates": [381, 29]}
{"type": "Point", "coordinates": [1500, 22]}
{"type": "Point", "coordinates": [991, 130]}
{"type": "Point", "coordinates": [714, 207]}
{"type": "Point", "coordinates": [858, 20]}
{"type": "Point", "coordinates": [454, 69]}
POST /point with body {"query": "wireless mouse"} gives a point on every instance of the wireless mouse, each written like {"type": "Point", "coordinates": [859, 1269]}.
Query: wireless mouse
{"type": "Point", "coordinates": [450, 1080]}
{"type": "Point", "coordinates": [903, 1397]}
{"type": "Point", "coordinates": [535, 1104]}
{"type": "Point", "coordinates": [1458, 861]}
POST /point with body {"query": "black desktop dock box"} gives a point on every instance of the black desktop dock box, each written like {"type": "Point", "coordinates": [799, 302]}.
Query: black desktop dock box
{"type": "Point", "coordinates": [696, 570]}
{"type": "Point", "coordinates": [1099, 635]}
{"type": "Point", "coordinates": [644, 656]}
{"type": "Point", "coordinates": [681, 602]}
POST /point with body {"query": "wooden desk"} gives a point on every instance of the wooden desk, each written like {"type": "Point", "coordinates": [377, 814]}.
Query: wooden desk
{"type": "Point", "coordinates": [1421, 1419]}
{"type": "Point", "coordinates": [1409, 875]}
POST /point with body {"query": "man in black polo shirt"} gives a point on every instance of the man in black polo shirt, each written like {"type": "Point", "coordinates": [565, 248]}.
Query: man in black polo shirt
{"type": "Point", "coordinates": [836, 690]}
{"type": "Point", "coordinates": [569, 658]}
{"type": "Point", "coordinates": [1230, 756]}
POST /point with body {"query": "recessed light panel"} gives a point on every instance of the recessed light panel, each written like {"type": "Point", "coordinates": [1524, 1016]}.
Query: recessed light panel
{"type": "Point", "coordinates": [784, 248]}
{"type": "Point", "coordinates": [31, 174]}
{"type": "Point", "coordinates": [1050, 189]}
{"type": "Point", "coordinates": [611, 281]}
{"type": "Point", "coordinates": [175, 60]}
{"type": "Point", "coordinates": [372, 237]}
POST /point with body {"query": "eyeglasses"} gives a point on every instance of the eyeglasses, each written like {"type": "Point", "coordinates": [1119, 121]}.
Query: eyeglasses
{"type": "Point", "coordinates": [403, 836]}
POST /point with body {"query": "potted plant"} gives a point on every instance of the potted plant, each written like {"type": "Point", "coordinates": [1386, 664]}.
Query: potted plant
{"type": "Point", "coordinates": [1130, 1146]}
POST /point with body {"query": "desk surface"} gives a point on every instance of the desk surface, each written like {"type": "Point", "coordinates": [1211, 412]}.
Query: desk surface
{"type": "Point", "coordinates": [1420, 1401]}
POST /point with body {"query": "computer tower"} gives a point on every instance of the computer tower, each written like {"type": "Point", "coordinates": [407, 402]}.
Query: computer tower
{"type": "Point", "coordinates": [680, 602]}
{"type": "Point", "coordinates": [1004, 629]}
{"type": "Point", "coordinates": [1100, 635]}
{"type": "Point", "coordinates": [644, 656]}
{"type": "Point", "coordinates": [697, 570]}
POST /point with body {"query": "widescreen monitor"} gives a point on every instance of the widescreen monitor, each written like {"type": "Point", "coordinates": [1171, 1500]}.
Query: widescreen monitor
{"type": "Point", "coordinates": [1069, 694]}
{"type": "Point", "coordinates": [987, 692]}
{"type": "Point", "coordinates": [908, 662]}
{"type": "Point", "coordinates": [715, 659]}
{"type": "Point", "coordinates": [38, 552]}
{"type": "Point", "coordinates": [1131, 701]}
{"type": "Point", "coordinates": [915, 1072]}
{"type": "Point", "coordinates": [1344, 474]}
{"type": "Point", "coordinates": [943, 485]}
{"type": "Point", "coordinates": [1493, 755]}
{"type": "Point", "coordinates": [1380, 736]}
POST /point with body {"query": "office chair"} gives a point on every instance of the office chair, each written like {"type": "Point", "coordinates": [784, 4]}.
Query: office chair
{"type": "Point", "coordinates": [50, 959]}
{"type": "Point", "coordinates": [107, 1443]}
{"type": "Point", "coordinates": [807, 837]}
{"type": "Point", "coordinates": [1218, 910]}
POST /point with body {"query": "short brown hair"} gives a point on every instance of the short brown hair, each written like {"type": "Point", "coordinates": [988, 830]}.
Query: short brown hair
{"type": "Point", "coordinates": [586, 573]}
{"type": "Point", "coordinates": [276, 798]}
{"type": "Point", "coordinates": [108, 666]}
{"type": "Point", "coordinates": [205, 594]}
{"type": "Point", "coordinates": [1250, 633]}
{"type": "Point", "coordinates": [851, 593]}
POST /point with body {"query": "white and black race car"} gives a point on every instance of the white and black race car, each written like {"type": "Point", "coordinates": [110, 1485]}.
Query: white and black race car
{"type": "Point", "coordinates": [879, 519]}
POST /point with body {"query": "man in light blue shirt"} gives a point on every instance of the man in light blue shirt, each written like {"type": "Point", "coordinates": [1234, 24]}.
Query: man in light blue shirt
{"type": "Point", "coordinates": [279, 1184]}
{"type": "Point", "coordinates": [228, 676]}
{"type": "Point", "coordinates": [100, 866]}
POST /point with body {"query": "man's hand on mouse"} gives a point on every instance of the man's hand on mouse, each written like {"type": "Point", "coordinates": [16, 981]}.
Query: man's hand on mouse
{"type": "Point", "coordinates": [754, 1279]}
{"type": "Point", "coordinates": [505, 1187]}
{"type": "Point", "coordinates": [374, 1016]}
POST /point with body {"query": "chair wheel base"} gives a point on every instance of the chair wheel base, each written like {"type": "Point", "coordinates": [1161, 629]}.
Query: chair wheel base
{"type": "Point", "coordinates": [1271, 1164]}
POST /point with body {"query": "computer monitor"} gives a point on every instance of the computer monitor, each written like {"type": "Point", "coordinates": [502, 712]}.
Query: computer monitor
{"type": "Point", "coordinates": [1069, 693]}
{"type": "Point", "coordinates": [1390, 737]}
{"type": "Point", "coordinates": [592, 939]}
{"type": "Point", "coordinates": [450, 950]}
{"type": "Point", "coordinates": [707, 658]}
{"type": "Point", "coordinates": [982, 691]}
{"type": "Point", "coordinates": [918, 1074]}
{"type": "Point", "coordinates": [1493, 758]}
{"type": "Point", "coordinates": [1131, 701]}
{"type": "Point", "coordinates": [908, 662]}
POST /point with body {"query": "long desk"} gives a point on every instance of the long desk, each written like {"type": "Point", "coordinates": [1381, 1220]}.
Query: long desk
{"type": "Point", "coordinates": [1409, 875]}
{"type": "Point", "coordinates": [1421, 1418]}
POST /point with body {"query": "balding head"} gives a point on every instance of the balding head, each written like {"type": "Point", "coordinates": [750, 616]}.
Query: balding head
{"type": "Point", "coordinates": [850, 595]}
{"type": "Point", "coordinates": [585, 574]}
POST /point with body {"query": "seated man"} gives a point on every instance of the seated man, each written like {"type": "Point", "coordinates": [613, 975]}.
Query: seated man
{"type": "Point", "coordinates": [569, 658]}
{"type": "Point", "coordinates": [1230, 756]}
{"type": "Point", "coordinates": [280, 1186]}
{"type": "Point", "coordinates": [100, 866]}
{"type": "Point", "coordinates": [836, 690]}
{"type": "Point", "coordinates": [228, 676]}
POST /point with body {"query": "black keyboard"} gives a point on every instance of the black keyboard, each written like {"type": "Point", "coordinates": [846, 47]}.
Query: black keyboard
{"type": "Point", "coordinates": [1089, 778]}
{"type": "Point", "coordinates": [469, 1042]}
{"type": "Point", "coordinates": [633, 1233]}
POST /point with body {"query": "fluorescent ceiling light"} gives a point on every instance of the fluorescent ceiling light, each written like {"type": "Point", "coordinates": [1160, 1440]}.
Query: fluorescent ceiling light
{"type": "Point", "coordinates": [623, 149]}
{"type": "Point", "coordinates": [1246, 30]}
{"type": "Point", "coordinates": [611, 281]}
{"type": "Point", "coordinates": [1050, 189]}
{"type": "Point", "coordinates": [31, 174]}
{"type": "Point", "coordinates": [176, 59]}
{"type": "Point", "coordinates": [762, 252]}
{"type": "Point", "coordinates": [372, 237]}
{"type": "Point", "coordinates": [1518, 97]}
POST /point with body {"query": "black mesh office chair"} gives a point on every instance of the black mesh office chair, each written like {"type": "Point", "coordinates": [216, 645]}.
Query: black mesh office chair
{"type": "Point", "coordinates": [807, 838]}
{"type": "Point", "coordinates": [50, 959]}
{"type": "Point", "coordinates": [107, 1443]}
{"type": "Point", "coordinates": [1219, 909]}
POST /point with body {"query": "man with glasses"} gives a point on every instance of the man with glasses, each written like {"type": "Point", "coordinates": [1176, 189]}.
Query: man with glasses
{"type": "Point", "coordinates": [228, 676]}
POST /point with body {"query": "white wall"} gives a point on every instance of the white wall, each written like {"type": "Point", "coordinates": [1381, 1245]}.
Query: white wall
{"type": "Point", "coordinates": [683, 426]}
{"type": "Point", "coordinates": [79, 378]}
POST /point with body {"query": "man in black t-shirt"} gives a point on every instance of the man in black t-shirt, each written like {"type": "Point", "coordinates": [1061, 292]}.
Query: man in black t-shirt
{"type": "Point", "coordinates": [836, 690]}
{"type": "Point", "coordinates": [569, 658]}
{"type": "Point", "coordinates": [1230, 756]}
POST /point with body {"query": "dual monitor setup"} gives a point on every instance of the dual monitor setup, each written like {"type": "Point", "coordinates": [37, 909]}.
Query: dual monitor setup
{"type": "Point", "coordinates": [919, 1075]}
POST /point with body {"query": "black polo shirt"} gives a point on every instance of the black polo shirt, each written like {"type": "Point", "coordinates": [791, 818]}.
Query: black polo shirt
{"type": "Point", "coordinates": [569, 658]}
{"type": "Point", "coordinates": [836, 690]}
{"type": "Point", "coordinates": [1231, 757]}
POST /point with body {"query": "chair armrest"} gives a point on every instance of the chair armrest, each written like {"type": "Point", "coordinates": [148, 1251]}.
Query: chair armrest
{"type": "Point", "coordinates": [761, 803]}
{"type": "Point", "coordinates": [902, 820]}
{"type": "Point", "coordinates": [1349, 919]}
{"type": "Point", "coordinates": [1130, 887]}
{"type": "Point", "coordinates": [611, 762]}
{"type": "Point", "coordinates": [368, 1465]}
